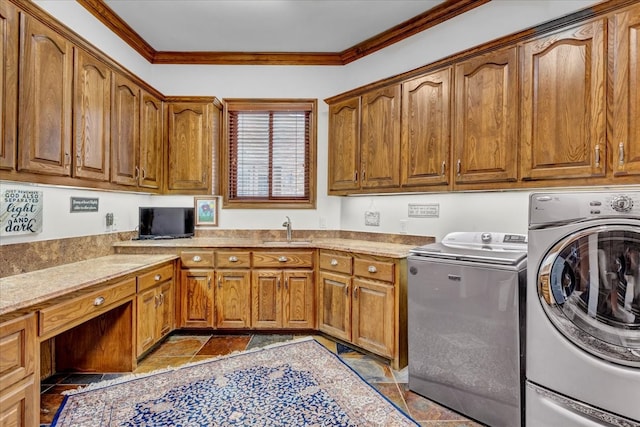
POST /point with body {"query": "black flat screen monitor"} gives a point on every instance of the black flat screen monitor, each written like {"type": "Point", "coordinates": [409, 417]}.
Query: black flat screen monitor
{"type": "Point", "coordinates": [165, 223]}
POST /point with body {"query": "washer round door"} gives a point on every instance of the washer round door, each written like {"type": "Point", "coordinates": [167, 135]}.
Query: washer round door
{"type": "Point", "coordinates": [589, 287]}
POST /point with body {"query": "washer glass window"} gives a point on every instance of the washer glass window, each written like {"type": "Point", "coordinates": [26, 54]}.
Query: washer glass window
{"type": "Point", "coordinates": [589, 286]}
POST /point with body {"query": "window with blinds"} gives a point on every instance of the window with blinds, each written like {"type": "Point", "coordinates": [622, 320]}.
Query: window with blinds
{"type": "Point", "coordinates": [270, 153]}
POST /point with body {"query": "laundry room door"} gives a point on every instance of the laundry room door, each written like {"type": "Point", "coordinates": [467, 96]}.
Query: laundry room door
{"type": "Point", "coordinates": [589, 287]}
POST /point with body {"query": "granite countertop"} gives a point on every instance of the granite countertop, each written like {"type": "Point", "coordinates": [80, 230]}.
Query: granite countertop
{"type": "Point", "coordinates": [390, 250]}
{"type": "Point", "coordinates": [24, 291]}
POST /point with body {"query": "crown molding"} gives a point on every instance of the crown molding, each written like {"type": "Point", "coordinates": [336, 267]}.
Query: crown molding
{"type": "Point", "coordinates": [434, 16]}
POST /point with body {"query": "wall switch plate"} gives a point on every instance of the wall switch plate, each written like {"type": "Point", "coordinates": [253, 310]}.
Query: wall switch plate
{"type": "Point", "coordinates": [403, 226]}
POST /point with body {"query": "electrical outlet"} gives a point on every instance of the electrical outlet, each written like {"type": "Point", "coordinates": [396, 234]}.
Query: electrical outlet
{"type": "Point", "coordinates": [403, 226]}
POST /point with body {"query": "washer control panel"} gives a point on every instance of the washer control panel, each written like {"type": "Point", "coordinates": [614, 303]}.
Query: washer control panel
{"type": "Point", "coordinates": [547, 208]}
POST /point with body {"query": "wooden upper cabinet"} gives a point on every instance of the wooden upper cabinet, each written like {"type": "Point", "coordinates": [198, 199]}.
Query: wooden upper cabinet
{"type": "Point", "coordinates": [151, 142]}
{"type": "Point", "coordinates": [426, 124]}
{"type": "Point", "coordinates": [91, 117]}
{"type": "Point", "coordinates": [625, 102]}
{"type": "Point", "coordinates": [486, 118]}
{"type": "Point", "coordinates": [563, 104]}
{"type": "Point", "coordinates": [380, 138]}
{"type": "Point", "coordinates": [344, 145]}
{"type": "Point", "coordinates": [9, 41]}
{"type": "Point", "coordinates": [125, 131]}
{"type": "Point", "coordinates": [189, 134]}
{"type": "Point", "coordinates": [46, 78]}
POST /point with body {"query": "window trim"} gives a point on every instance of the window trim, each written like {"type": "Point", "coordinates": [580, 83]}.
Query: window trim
{"type": "Point", "coordinates": [250, 104]}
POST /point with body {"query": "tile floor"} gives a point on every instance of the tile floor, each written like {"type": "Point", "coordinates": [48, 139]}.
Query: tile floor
{"type": "Point", "coordinates": [181, 348]}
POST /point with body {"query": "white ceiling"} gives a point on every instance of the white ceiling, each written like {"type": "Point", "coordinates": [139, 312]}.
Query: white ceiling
{"type": "Point", "coordinates": [263, 25]}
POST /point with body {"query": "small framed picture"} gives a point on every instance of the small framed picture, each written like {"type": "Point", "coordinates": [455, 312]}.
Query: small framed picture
{"type": "Point", "coordinates": [206, 211]}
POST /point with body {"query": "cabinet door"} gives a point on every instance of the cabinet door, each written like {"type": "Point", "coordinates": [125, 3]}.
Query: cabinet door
{"type": "Point", "coordinates": [334, 314]}
{"type": "Point", "coordinates": [373, 316]}
{"type": "Point", "coordinates": [125, 131]}
{"type": "Point", "coordinates": [196, 299]}
{"type": "Point", "coordinates": [233, 308]}
{"type": "Point", "coordinates": [563, 104]}
{"type": "Point", "coordinates": [151, 152]}
{"type": "Point", "coordinates": [9, 41]}
{"type": "Point", "coordinates": [266, 297]}
{"type": "Point", "coordinates": [19, 404]}
{"type": "Point", "coordinates": [486, 118]}
{"type": "Point", "coordinates": [166, 310]}
{"type": "Point", "coordinates": [91, 117]}
{"type": "Point", "coordinates": [380, 138]}
{"type": "Point", "coordinates": [344, 145]}
{"type": "Point", "coordinates": [189, 139]}
{"type": "Point", "coordinates": [426, 124]}
{"type": "Point", "coordinates": [625, 103]}
{"type": "Point", "coordinates": [46, 77]}
{"type": "Point", "coordinates": [298, 306]}
{"type": "Point", "coordinates": [146, 305]}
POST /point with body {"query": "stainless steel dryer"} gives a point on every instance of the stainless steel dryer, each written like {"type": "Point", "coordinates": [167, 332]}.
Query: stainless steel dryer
{"type": "Point", "coordinates": [583, 309]}
{"type": "Point", "coordinates": [464, 314]}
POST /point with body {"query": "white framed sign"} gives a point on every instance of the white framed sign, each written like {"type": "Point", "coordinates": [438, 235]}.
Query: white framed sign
{"type": "Point", "coordinates": [20, 212]}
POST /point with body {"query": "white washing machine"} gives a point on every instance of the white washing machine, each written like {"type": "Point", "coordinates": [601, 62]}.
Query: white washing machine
{"type": "Point", "coordinates": [583, 310]}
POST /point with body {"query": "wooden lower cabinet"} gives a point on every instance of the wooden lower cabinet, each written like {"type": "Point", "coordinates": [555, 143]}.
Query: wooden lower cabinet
{"type": "Point", "coordinates": [196, 298]}
{"type": "Point", "coordinates": [362, 300]}
{"type": "Point", "coordinates": [19, 354]}
{"type": "Point", "coordinates": [334, 314]}
{"type": "Point", "coordinates": [155, 315]}
{"type": "Point", "coordinates": [372, 310]}
{"type": "Point", "coordinates": [232, 296]}
{"type": "Point", "coordinates": [282, 299]}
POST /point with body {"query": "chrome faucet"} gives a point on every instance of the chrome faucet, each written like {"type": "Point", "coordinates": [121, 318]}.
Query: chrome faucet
{"type": "Point", "coordinates": [287, 224]}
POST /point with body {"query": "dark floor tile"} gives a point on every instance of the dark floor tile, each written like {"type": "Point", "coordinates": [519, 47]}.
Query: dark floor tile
{"type": "Point", "coordinates": [258, 341]}
{"type": "Point", "coordinates": [391, 392]}
{"type": "Point", "coordinates": [181, 345]}
{"type": "Point", "coordinates": [51, 401]}
{"type": "Point", "coordinates": [369, 369]}
{"type": "Point", "coordinates": [54, 379]}
{"type": "Point", "coordinates": [344, 349]}
{"type": "Point", "coordinates": [221, 345]}
{"type": "Point", "coordinates": [81, 379]}
{"type": "Point", "coordinates": [423, 409]}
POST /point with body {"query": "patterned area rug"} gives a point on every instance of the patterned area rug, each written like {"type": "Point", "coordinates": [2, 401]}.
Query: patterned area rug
{"type": "Point", "coordinates": [296, 383]}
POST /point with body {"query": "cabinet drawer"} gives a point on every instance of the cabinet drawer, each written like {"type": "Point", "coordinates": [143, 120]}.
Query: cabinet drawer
{"type": "Point", "coordinates": [337, 263]}
{"type": "Point", "coordinates": [200, 259]}
{"type": "Point", "coordinates": [68, 314]}
{"type": "Point", "coordinates": [152, 278]}
{"type": "Point", "coordinates": [233, 259]}
{"type": "Point", "coordinates": [17, 350]}
{"type": "Point", "coordinates": [378, 270]}
{"type": "Point", "coordinates": [290, 259]}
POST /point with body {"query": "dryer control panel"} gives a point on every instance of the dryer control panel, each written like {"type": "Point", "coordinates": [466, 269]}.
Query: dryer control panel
{"type": "Point", "coordinates": [545, 208]}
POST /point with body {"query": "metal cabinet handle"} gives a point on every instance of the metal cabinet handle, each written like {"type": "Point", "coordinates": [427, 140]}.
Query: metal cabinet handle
{"type": "Point", "coordinates": [220, 282]}
{"type": "Point", "coordinates": [278, 283]}
{"type": "Point", "coordinates": [334, 262]}
{"type": "Point", "coordinates": [283, 259]}
{"type": "Point", "coordinates": [363, 175]}
{"type": "Point", "coordinates": [458, 167]}
{"type": "Point", "coordinates": [372, 269]}
{"type": "Point", "coordinates": [286, 284]}
{"type": "Point", "coordinates": [346, 290]}
{"type": "Point", "coordinates": [355, 292]}
{"type": "Point", "coordinates": [196, 258]}
{"type": "Point", "coordinates": [443, 168]}
{"type": "Point", "coordinates": [233, 258]}
{"type": "Point", "coordinates": [621, 153]}
{"type": "Point", "coordinates": [157, 300]}
{"type": "Point", "coordinates": [161, 299]}
{"type": "Point", "coordinates": [78, 161]}
{"type": "Point", "coordinates": [157, 277]}
{"type": "Point", "coordinates": [144, 173]}
{"type": "Point", "coordinates": [209, 283]}
{"type": "Point", "coordinates": [136, 175]}
{"type": "Point", "coordinates": [355, 176]}
{"type": "Point", "coordinates": [98, 301]}
{"type": "Point", "coordinates": [597, 155]}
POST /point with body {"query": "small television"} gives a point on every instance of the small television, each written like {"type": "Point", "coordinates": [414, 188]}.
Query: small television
{"type": "Point", "coordinates": [165, 223]}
